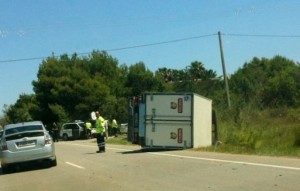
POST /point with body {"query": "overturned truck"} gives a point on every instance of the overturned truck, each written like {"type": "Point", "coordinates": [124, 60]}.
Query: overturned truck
{"type": "Point", "coordinates": [171, 120]}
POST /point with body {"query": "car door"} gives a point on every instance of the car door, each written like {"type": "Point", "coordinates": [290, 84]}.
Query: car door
{"type": "Point", "coordinates": [75, 131]}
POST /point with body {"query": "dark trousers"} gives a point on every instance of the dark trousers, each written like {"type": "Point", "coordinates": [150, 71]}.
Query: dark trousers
{"type": "Point", "coordinates": [55, 136]}
{"type": "Point", "coordinates": [115, 131]}
{"type": "Point", "coordinates": [101, 141]}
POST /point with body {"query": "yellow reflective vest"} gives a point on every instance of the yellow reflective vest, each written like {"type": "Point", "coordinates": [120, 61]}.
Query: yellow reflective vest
{"type": "Point", "coordinates": [100, 125]}
{"type": "Point", "coordinates": [114, 124]}
{"type": "Point", "coordinates": [88, 125]}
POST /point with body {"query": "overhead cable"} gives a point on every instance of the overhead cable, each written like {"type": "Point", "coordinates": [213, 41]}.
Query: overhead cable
{"type": "Point", "coordinates": [164, 42]}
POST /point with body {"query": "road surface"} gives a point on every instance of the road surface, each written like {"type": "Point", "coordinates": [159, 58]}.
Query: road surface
{"type": "Point", "coordinates": [128, 168]}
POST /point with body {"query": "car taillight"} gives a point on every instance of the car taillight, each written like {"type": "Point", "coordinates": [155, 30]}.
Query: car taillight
{"type": "Point", "coordinates": [48, 140]}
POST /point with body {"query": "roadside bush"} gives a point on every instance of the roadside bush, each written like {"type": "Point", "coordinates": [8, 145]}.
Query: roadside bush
{"type": "Point", "coordinates": [264, 132]}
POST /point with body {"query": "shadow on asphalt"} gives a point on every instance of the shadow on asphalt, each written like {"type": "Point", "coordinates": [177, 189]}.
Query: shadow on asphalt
{"type": "Point", "coordinates": [29, 166]}
{"type": "Point", "coordinates": [132, 152]}
{"type": "Point", "coordinates": [149, 150]}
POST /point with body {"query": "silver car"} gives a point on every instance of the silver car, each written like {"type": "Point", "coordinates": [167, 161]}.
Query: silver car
{"type": "Point", "coordinates": [25, 142]}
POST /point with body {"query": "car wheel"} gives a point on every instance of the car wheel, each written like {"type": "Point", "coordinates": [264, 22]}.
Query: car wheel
{"type": "Point", "coordinates": [54, 162]}
{"type": "Point", "coordinates": [5, 169]}
{"type": "Point", "coordinates": [65, 137]}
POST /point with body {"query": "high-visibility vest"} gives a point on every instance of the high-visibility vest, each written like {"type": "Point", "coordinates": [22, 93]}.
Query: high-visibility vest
{"type": "Point", "coordinates": [88, 125]}
{"type": "Point", "coordinates": [114, 124]}
{"type": "Point", "coordinates": [100, 125]}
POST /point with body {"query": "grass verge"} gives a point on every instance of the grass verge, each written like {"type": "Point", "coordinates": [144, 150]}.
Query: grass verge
{"type": "Point", "coordinates": [120, 140]}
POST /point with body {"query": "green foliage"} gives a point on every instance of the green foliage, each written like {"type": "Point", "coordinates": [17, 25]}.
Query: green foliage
{"type": "Point", "coordinates": [59, 113]}
{"type": "Point", "coordinates": [70, 88]}
{"type": "Point", "coordinates": [268, 83]}
{"type": "Point", "coordinates": [194, 78]}
{"type": "Point", "coordinates": [25, 109]}
{"type": "Point", "coordinates": [140, 79]}
{"type": "Point", "coordinates": [120, 140]}
{"type": "Point", "coordinates": [268, 132]}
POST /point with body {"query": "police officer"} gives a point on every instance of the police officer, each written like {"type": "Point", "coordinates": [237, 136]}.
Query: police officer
{"type": "Point", "coordinates": [100, 132]}
{"type": "Point", "coordinates": [88, 126]}
{"type": "Point", "coordinates": [55, 132]}
{"type": "Point", "coordinates": [114, 126]}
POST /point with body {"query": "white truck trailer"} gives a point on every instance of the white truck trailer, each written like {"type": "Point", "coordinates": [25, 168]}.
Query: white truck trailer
{"type": "Point", "coordinates": [173, 120]}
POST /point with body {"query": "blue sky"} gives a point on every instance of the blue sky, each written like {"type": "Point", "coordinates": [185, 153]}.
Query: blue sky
{"type": "Point", "coordinates": [36, 29]}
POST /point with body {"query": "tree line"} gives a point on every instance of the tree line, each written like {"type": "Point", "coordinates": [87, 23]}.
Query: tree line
{"type": "Point", "coordinates": [69, 88]}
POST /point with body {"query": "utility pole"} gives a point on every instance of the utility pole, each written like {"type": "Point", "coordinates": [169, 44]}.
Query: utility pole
{"type": "Point", "coordinates": [224, 71]}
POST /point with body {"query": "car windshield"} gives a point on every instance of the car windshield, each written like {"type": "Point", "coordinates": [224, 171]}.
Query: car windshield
{"type": "Point", "coordinates": [81, 125]}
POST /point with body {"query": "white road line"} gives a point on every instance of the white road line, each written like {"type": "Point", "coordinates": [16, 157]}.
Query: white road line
{"type": "Point", "coordinates": [217, 160]}
{"type": "Point", "coordinates": [209, 159]}
{"type": "Point", "coordinates": [77, 166]}
{"type": "Point", "coordinates": [228, 161]}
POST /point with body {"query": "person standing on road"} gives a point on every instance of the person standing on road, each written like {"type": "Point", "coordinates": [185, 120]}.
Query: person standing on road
{"type": "Point", "coordinates": [88, 126]}
{"type": "Point", "coordinates": [55, 132]}
{"type": "Point", "coordinates": [114, 126]}
{"type": "Point", "coordinates": [100, 132]}
{"type": "Point", "coordinates": [106, 128]}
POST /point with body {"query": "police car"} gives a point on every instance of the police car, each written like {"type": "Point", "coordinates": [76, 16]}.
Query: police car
{"type": "Point", "coordinates": [74, 130]}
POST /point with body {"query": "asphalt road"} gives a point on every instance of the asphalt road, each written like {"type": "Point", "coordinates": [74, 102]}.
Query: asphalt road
{"type": "Point", "coordinates": [128, 168]}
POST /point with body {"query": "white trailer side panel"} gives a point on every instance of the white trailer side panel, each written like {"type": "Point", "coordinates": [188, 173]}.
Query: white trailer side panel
{"type": "Point", "coordinates": [166, 106]}
{"type": "Point", "coordinates": [169, 134]}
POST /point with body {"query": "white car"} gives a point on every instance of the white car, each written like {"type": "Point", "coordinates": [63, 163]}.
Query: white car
{"type": "Point", "coordinates": [75, 130]}
{"type": "Point", "coordinates": [124, 128]}
{"type": "Point", "coordinates": [25, 142]}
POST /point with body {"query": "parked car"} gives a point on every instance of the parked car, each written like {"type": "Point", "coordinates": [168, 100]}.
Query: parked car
{"type": "Point", "coordinates": [25, 142]}
{"type": "Point", "coordinates": [75, 130]}
{"type": "Point", "coordinates": [124, 128]}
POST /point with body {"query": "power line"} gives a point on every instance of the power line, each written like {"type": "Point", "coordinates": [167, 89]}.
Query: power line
{"type": "Point", "coordinates": [159, 43]}
{"type": "Point", "coordinates": [163, 42]}
{"type": "Point", "coordinates": [263, 35]}
{"type": "Point", "coordinates": [22, 59]}
{"type": "Point", "coordinates": [118, 49]}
